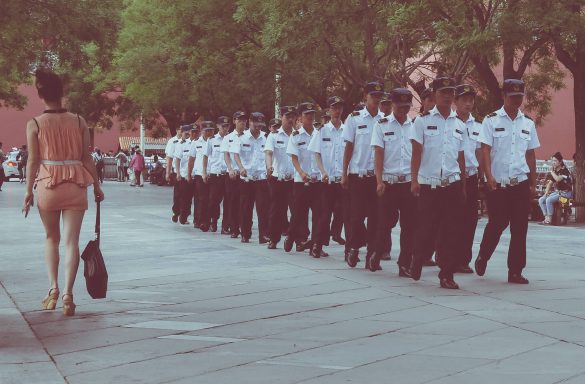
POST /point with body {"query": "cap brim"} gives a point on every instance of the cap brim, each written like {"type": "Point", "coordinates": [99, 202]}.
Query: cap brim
{"type": "Point", "coordinates": [515, 94]}
{"type": "Point", "coordinates": [336, 103]}
{"type": "Point", "coordinates": [402, 104]}
{"type": "Point", "coordinates": [467, 93]}
{"type": "Point", "coordinates": [376, 93]}
{"type": "Point", "coordinates": [447, 87]}
{"type": "Point", "coordinates": [310, 111]}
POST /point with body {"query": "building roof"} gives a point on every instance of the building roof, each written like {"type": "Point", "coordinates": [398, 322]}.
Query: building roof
{"type": "Point", "coordinates": [149, 142]}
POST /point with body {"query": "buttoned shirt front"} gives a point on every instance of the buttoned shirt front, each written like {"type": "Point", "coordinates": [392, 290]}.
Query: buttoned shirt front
{"type": "Point", "coordinates": [251, 151]}
{"type": "Point", "coordinates": [358, 130]}
{"type": "Point", "coordinates": [394, 139]}
{"type": "Point", "coordinates": [226, 143]}
{"type": "Point", "coordinates": [329, 142]}
{"type": "Point", "coordinates": [182, 149]}
{"type": "Point", "coordinates": [298, 145]}
{"type": "Point", "coordinates": [471, 143]}
{"type": "Point", "coordinates": [277, 142]}
{"type": "Point", "coordinates": [170, 149]}
{"type": "Point", "coordinates": [442, 140]}
{"type": "Point", "coordinates": [199, 149]}
{"type": "Point", "coordinates": [216, 162]}
{"type": "Point", "coordinates": [509, 140]}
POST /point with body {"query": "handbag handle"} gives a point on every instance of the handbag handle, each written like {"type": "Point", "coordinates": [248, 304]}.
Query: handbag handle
{"type": "Point", "coordinates": [97, 223]}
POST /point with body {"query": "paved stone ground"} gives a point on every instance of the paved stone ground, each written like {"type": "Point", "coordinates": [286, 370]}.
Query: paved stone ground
{"type": "Point", "coordinates": [189, 307]}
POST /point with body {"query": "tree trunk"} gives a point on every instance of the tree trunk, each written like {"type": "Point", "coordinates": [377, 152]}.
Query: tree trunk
{"type": "Point", "coordinates": [579, 98]}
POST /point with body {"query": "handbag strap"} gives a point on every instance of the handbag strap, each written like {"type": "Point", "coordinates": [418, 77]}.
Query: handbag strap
{"type": "Point", "coordinates": [97, 223]}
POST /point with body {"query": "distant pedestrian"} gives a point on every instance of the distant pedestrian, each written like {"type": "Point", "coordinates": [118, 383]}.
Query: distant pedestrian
{"type": "Point", "coordinates": [137, 164]}
{"type": "Point", "coordinates": [22, 159]}
{"type": "Point", "coordinates": [122, 165]}
{"type": "Point", "coordinates": [58, 142]}
{"type": "Point", "coordinates": [98, 158]}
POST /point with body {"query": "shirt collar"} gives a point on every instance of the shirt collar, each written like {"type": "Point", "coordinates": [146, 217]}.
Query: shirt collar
{"type": "Point", "coordinates": [502, 112]}
{"type": "Point", "coordinates": [392, 118]}
{"type": "Point", "coordinates": [435, 111]}
{"type": "Point", "coordinates": [364, 113]}
{"type": "Point", "coordinates": [330, 125]}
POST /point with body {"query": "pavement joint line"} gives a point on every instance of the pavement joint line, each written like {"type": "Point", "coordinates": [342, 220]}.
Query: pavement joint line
{"type": "Point", "coordinates": [570, 378]}
{"type": "Point", "coordinates": [304, 365]}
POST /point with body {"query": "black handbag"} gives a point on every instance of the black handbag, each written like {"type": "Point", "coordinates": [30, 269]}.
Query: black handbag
{"type": "Point", "coordinates": [94, 269]}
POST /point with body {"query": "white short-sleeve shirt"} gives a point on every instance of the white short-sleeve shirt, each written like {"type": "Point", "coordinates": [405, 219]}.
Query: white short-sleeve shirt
{"type": "Point", "coordinates": [442, 140]}
{"type": "Point", "coordinates": [298, 145]}
{"type": "Point", "coordinates": [277, 143]}
{"type": "Point", "coordinates": [182, 149]}
{"type": "Point", "coordinates": [329, 142]}
{"type": "Point", "coordinates": [394, 139]}
{"type": "Point", "coordinates": [199, 149]}
{"type": "Point", "coordinates": [358, 130]}
{"type": "Point", "coordinates": [216, 161]}
{"type": "Point", "coordinates": [251, 151]}
{"type": "Point", "coordinates": [509, 140]}
{"type": "Point", "coordinates": [471, 143]}
{"type": "Point", "coordinates": [170, 150]}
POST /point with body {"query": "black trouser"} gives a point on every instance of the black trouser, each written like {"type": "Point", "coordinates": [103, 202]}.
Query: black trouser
{"type": "Point", "coordinates": [337, 222]}
{"type": "Point", "coordinates": [253, 192]}
{"type": "Point", "coordinates": [202, 206]}
{"type": "Point", "coordinates": [217, 185]}
{"type": "Point", "coordinates": [439, 208]}
{"type": "Point", "coordinates": [232, 193]}
{"type": "Point", "coordinates": [2, 175]}
{"type": "Point", "coordinates": [176, 198]}
{"type": "Point", "coordinates": [194, 203]}
{"type": "Point", "coordinates": [185, 196]}
{"type": "Point", "coordinates": [508, 206]}
{"type": "Point", "coordinates": [281, 195]}
{"type": "Point", "coordinates": [397, 201]}
{"type": "Point", "coordinates": [331, 196]}
{"type": "Point", "coordinates": [364, 204]}
{"type": "Point", "coordinates": [469, 221]}
{"type": "Point", "coordinates": [305, 197]}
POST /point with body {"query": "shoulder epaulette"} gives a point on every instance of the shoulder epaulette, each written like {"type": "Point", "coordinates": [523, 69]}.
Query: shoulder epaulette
{"type": "Point", "coordinates": [425, 114]}
{"type": "Point", "coordinates": [460, 118]}
{"type": "Point", "coordinates": [492, 114]}
{"type": "Point", "coordinates": [355, 113]}
{"type": "Point", "coordinates": [383, 120]}
{"type": "Point", "coordinates": [528, 117]}
{"type": "Point", "coordinates": [176, 141]}
{"type": "Point", "coordinates": [295, 133]}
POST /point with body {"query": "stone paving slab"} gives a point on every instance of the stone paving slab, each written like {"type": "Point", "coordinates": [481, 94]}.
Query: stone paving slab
{"type": "Point", "coordinates": [189, 307]}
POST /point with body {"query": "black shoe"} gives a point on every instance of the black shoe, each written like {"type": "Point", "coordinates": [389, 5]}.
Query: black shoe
{"type": "Point", "coordinates": [315, 251]}
{"type": "Point", "coordinates": [386, 256]}
{"type": "Point", "coordinates": [302, 247]}
{"type": "Point", "coordinates": [338, 239]}
{"type": "Point", "coordinates": [480, 265]}
{"type": "Point", "coordinates": [175, 218]}
{"type": "Point", "coordinates": [264, 240]}
{"type": "Point", "coordinates": [403, 271]}
{"type": "Point", "coordinates": [245, 240]}
{"type": "Point", "coordinates": [324, 254]}
{"type": "Point", "coordinates": [204, 228]}
{"type": "Point", "coordinates": [352, 258]}
{"type": "Point", "coordinates": [448, 283]}
{"type": "Point", "coordinates": [196, 225]}
{"type": "Point", "coordinates": [415, 270]}
{"type": "Point", "coordinates": [464, 269]}
{"type": "Point", "coordinates": [288, 244]}
{"type": "Point", "coordinates": [213, 227]}
{"type": "Point", "coordinates": [183, 222]}
{"type": "Point", "coordinates": [225, 232]}
{"type": "Point", "coordinates": [517, 278]}
{"type": "Point", "coordinates": [373, 261]}
{"type": "Point", "coordinates": [272, 245]}
{"type": "Point", "coordinates": [234, 235]}
{"type": "Point", "coordinates": [429, 263]}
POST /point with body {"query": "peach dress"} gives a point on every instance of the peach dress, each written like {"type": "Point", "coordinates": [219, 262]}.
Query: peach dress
{"type": "Point", "coordinates": [62, 180]}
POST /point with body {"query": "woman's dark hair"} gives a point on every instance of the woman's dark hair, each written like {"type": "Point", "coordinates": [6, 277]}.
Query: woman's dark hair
{"type": "Point", "coordinates": [48, 84]}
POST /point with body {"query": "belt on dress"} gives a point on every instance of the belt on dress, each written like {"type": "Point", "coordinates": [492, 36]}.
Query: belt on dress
{"type": "Point", "coordinates": [61, 162]}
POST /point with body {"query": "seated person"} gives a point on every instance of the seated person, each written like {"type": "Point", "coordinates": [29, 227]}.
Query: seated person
{"type": "Point", "coordinates": [558, 184]}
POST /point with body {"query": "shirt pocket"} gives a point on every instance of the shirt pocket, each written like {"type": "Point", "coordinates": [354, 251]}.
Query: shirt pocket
{"type": "Point", "coordinates": [390, 136]}
{"type": "Point", "coordinates": [524, 141]}
{"type": "Point", "coordinates": [361, 130]}
{"type": "Point", "coordinates": [246, 147]}
{"type": "Point", "coordinates": [431, 137]}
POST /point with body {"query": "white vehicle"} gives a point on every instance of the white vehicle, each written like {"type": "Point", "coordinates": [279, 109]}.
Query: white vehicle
{"type": "Point", "coordinates": [10, 166]}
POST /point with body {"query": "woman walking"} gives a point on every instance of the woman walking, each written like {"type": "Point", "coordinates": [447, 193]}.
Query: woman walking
{"type": "Point", "coordinates": [58, 143]}
{"type": "Point", "coordinates": [137, 164]}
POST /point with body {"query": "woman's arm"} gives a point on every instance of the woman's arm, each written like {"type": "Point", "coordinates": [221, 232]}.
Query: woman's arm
{"type": "Point", "coordinates": [34, 156]}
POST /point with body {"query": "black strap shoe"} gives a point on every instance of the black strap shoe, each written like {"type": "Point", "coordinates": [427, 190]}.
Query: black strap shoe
{"type": "Point", "coordinates": [373, 261]}
{"type": "Point", "coordinates": [225, 232]}
{"type": "Point", "coordinates": [517, 278]}
{"type": "Point", "coordinates": [315, 251]}
{"type": "Point", "coordinates": [464, 269]}
{"type": "Point", "coordinates": [245, 239]}
{"type": "Point", "coordinates": [234, 235]}
{"type": "Point", "coordinates": [352, 258]}
{"type": "Point", "coordinates": [204, 228]}
{"type": "Point", "coordinates": [403, 271]}
{"type": "Point", "coordinates": [429, 263]}
{"type": "Point", "coordinates": [480, 265]}
{"type": "Point", "coordinates": [449, 283]}
{"type": "Point", "coordinates": [264, 240]}
{"type": "Point", "coordinates": [415, 270]}
{"type": "Point", "coordinates": [302, 247]}
{"type": "Point", "coordinates": [175, 218]}
{"type": "Point", "coordinates": [213, 227]}
{"type": "Point", "coordinates": [288, 244]}
{"type": "Point", "coordinates": [385, 256]}
{"type": "Point", "coordinates": [272, 245]}
{"type": "Point", "coordinates": [324, 254]}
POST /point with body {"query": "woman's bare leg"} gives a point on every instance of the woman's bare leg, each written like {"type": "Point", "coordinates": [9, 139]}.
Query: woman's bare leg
{"type": "Point", "coordinates": [71, 227]}
{"type": "Point", "coordinates": [51, 221]}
